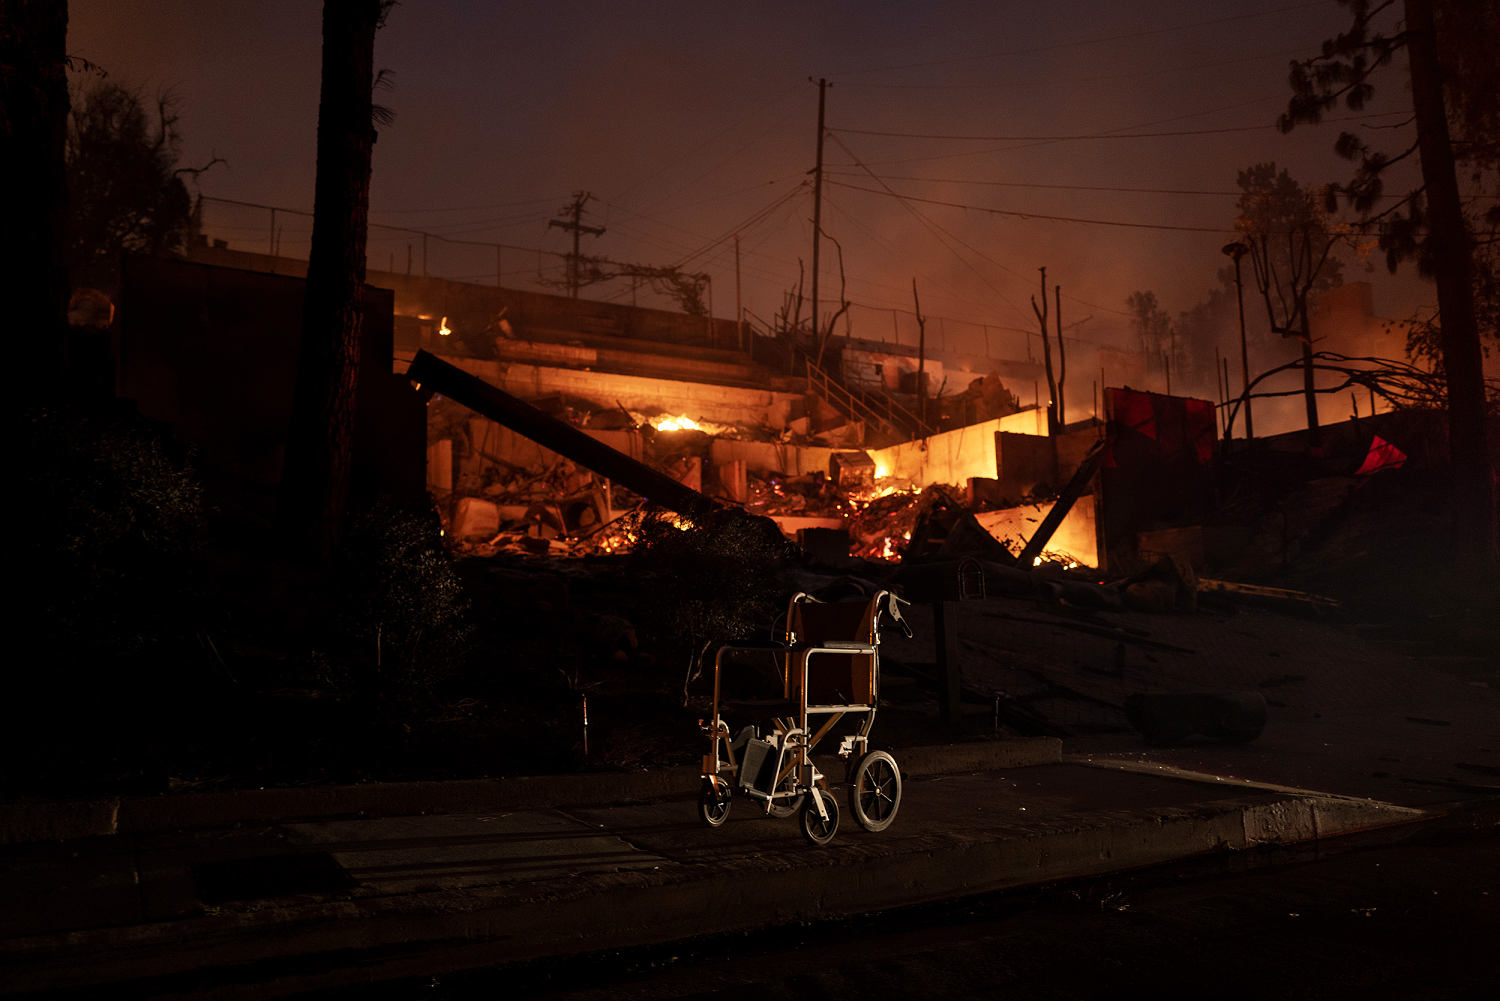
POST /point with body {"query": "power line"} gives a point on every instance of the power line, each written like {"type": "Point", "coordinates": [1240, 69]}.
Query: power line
{"type": "Point", "coordinates": [1030, 215]}
{"type": "Point", "coordinates": [479, 226]}
{"type": "Point", "coordinates": [697, 238]}
{"type": "Point", "coordinates": [974, 250]}
{"type": "Point", "coordinates": [936, 230]}
{"type": "Point", "coordinates": [469, 208]}
{"type": "Point", "coordinates": [1216, 64]}
{"type": "Point", "coordinates": [1123, 128]}
{"type": "Point", "coordinates": [1051, 187]}
{"type": "Point", "coordinates": [1123, 36]}
{"type": "Point", "coordinates": [1172, 134]}
{"type": "Point", "coordinates": [713, 142]}
{"type": "Point", "coordinates": [941, 284]}
{"type": "Point", "coordinates": [751, 220]}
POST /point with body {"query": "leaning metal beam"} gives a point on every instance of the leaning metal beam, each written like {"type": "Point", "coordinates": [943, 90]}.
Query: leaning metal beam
{"type": "Point", "coordinates": [1064, 503]}
{"type": "Point", "coordinates": [431, 372]}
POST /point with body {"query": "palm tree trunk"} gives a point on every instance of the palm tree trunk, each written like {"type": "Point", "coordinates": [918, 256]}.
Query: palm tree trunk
{"type": "Point", "coordinates": [33, 127]}
{"type": "Point", "coordinates": [1448, 240]}
{"type": "Point", "coordinates": [315, 479]}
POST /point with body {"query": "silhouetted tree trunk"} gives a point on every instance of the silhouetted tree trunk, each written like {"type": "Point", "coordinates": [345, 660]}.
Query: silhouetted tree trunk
{"type": "Point", "coordinates": [33, 127]}
{"type": "Point", "coordinates": [315, 480]}
{"type": "Point", "coordinates": [1041, 317]}
{"type": "Point", "coordinates": [1448, 242]}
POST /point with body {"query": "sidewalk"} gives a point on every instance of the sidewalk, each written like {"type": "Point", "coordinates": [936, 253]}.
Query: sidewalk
{"type": "Point", "coordinates": [268, 908]}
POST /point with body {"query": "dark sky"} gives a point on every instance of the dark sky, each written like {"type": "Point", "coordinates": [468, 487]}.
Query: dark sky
{"type": "Point", "coordinates": [691, 121]}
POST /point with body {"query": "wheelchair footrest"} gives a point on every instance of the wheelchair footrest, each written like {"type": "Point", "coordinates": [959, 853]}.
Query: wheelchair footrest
{"type": "Point", "coordinates": [758, 767]}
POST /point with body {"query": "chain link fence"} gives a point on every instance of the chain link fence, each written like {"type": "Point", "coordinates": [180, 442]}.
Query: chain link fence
{"type": "Point", "coordinates": [287, 233]}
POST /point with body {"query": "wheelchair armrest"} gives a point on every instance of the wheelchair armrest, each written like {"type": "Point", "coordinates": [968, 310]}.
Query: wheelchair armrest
{"type": "Point", "coordinates": [758, 645]}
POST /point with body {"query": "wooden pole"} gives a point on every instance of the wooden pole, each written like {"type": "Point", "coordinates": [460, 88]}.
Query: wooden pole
{"type": "Point", "coordinates": [739, 309]}
{"type": "Point", "coordinates": [817, 207]}
{"type": "Point", "coordinates": [1062, 355]}
{"type": "Point", "coordinates": [921, 354]}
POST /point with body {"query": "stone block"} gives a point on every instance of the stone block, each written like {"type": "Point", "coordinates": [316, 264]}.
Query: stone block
{"type": "Point", "coordinates": [475, 518]}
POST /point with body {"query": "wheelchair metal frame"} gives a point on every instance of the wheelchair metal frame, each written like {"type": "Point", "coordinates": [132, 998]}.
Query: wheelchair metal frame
{"type": "Point", "coordinates": [782, 775]}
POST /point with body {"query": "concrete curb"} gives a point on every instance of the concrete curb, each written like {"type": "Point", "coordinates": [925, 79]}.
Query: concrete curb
{"type": "Point", "coordinates": [61, 821]}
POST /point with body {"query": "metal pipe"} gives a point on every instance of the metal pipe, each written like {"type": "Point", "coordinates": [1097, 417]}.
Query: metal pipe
{"type": "Point", "coordinates": [490, 401]}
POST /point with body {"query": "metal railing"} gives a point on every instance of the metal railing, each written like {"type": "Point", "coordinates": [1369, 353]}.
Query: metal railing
{"type": "Point", "coordinates": [881, 411]}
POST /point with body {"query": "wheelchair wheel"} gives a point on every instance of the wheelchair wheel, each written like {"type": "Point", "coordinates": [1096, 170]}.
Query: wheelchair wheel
{"type": "Point", "coordinates": [713, 803]}
{"type": "Point", "coordinates": [815, 829]}
{"type": "Point", "coordinates": [875, 791]}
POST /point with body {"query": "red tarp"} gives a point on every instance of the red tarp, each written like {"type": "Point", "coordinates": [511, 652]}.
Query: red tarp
{"type": "Point", "coordinates": [1382, 455]}
{"type": "Point", "coordinates": [1182, 427]}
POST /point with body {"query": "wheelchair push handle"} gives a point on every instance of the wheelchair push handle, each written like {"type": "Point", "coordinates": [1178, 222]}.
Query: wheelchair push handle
{"type": "Point", "coordinates": [891, 608]}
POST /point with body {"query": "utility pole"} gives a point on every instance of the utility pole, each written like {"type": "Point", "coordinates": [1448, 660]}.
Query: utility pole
{"type": "Point", "coordinates": [817, 207]}
{"type": "Point", "coordinates": [580, 198]}
{"type": "Point", "coordinates": [739, 309]}
{"type": "Point", "coordinates": [1062, 354]}
{"type": "Point", "coordinates": [921, 354]}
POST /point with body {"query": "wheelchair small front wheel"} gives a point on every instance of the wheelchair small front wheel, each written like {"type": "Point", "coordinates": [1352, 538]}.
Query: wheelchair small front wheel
{"type": "Point", "coordinates": [713, 803]}
{"type": "Point", "coordinates": [815, 829]}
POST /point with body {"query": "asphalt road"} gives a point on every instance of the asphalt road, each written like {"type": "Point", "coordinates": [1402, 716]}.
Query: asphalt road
{"type": "Point", "coordinates": [1418, 918]}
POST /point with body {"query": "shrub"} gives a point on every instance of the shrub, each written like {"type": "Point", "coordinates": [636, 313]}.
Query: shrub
{"type": "Point", "coordinates": [718, 576]}
{"type": "Point", "coordinates": [108, 547]}
{"type": "Point", "coordinates": [399, 622]}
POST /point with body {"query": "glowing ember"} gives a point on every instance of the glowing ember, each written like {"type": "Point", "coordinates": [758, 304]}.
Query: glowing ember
{"type": "Point", "coordinates": [443, 329]}
{"type": "Point", "coordinates": [676, 424]}
{"type": "Point", "coordinates": [682, 422]}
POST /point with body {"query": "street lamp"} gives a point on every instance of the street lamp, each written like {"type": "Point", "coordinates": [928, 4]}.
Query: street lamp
{"type": "Point", "coordinates": [1237, 250]}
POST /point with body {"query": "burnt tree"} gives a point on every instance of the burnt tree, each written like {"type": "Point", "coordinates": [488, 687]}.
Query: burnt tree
{"type": "Point", "coordinates": [1053, 417]}
{"type": "Point", "coordinates": [1291, 239]}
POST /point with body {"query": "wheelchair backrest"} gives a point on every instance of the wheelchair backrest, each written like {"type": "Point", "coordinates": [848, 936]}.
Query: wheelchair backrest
{"type": "Point", "coordinates": [832, 679]}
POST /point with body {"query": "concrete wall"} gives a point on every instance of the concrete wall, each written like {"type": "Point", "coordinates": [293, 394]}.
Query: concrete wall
{"type": "Point", "coordinates": [1024, 460]}
{"type": "Point", "coordinates": [700, 401]}
{"type": "Point", "coordinates": [467, 302]}
{"type": "Point", "coordinates": [212, 352]}
{"type": "Point", "coordinates": [953, 457]}
{"type": "Point", "coordinates": [1033, 421]}
{"type": "Point", "coordinates": [950, 457]}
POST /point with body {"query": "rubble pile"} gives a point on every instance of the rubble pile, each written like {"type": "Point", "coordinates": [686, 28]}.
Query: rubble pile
{"type": "Point", "coordinates": [882, 527]}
